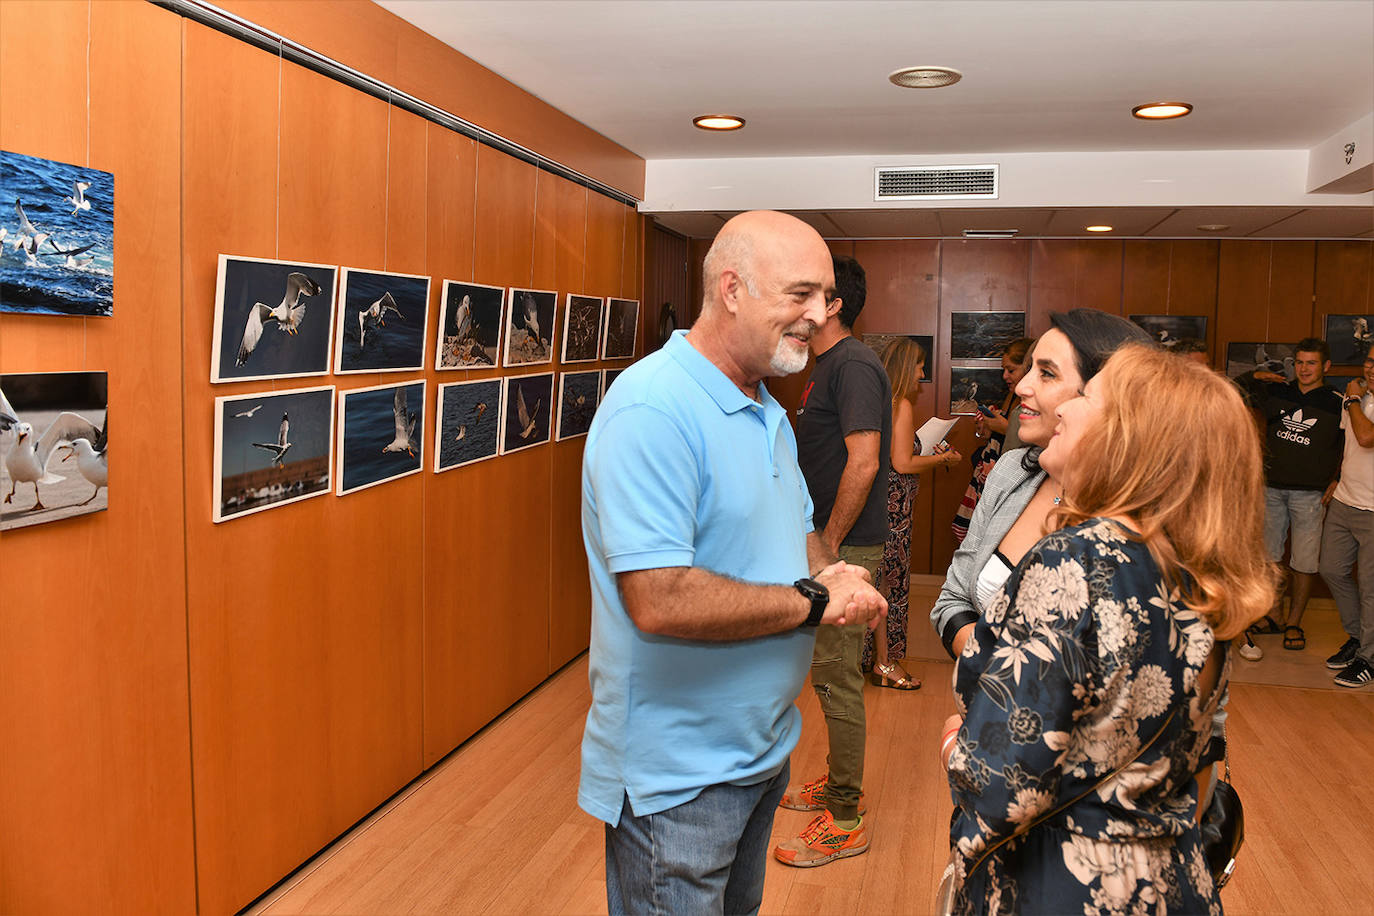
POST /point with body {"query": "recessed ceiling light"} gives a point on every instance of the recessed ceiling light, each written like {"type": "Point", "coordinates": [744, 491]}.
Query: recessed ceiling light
{"type": "Point", "coordinates": [718, 122]}
{"type": "Point", "coordinates": [924, 77]}
{"type": "Point", "coordinates": [1161, 111]}
{"type": "Point", "coordinates": [1098, 228]}
{"type": "Point", "coordinates": [1214, 227]}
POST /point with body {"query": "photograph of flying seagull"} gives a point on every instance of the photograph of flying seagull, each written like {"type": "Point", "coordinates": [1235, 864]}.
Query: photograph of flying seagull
{"type": "Point", "coordinates": [382, 322]}
{"type": "Point", "coordinates": [470, 324]}
{"type": "Point", "coordinates": [56, 237]}
{"type": "Point", "coordinates": [271, 449]}
{"type": "Point", "coordinates": [380, 434]}
{"type": "Point", "coordinates": [578, 395]}
{"type": "Point", "coordinates": [581, 329]}
{"type": "Point", "coordinates": [468, 423]}
{"type": "Point", "coordinates": [525, 421]}
{"type": "Point", "coordinates": [273, 319]}
{"type": "Point", "coordinates": [43, 417]}
{"type": "Point", "coordinates": [622, 327]}
{"type": "Point", "coordinates": [529, 327]}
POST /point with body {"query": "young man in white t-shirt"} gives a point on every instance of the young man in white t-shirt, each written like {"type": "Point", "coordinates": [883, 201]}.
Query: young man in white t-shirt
{"type": "Point", "coordinates": [1349, 534]}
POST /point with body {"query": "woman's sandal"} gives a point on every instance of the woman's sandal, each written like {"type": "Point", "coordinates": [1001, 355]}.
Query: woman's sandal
{"type": "Point", "coordinates": [1294, 642]}
{"type": "Point", "coordinates": [1267, 626]}
{"type": "Point", "coordinates": [887, 674]}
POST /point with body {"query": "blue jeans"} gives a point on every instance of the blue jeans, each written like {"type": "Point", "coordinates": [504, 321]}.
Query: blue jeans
{"type": "Point", "coordinates": [703, 856]}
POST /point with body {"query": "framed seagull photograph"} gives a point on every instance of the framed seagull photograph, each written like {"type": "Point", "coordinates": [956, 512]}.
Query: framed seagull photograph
{"type": "Point", "coordinates": [581, 329]}
{"type": "Point", "coordinates": [529, 326]}
{"type": "Point", "coordinates": [59, 237]}
{"type": "Point", "coordinates": [381, 435]}
{"type": "Point", "coordinates": [53, 446]}
{"type": "Point", "coordinates": [528, 410]}
{"type": "Point", "coordinates": [470, 320]}
{"type": "Point", "coordinates": [622, 327]}
{"type": "Point", "coordinates": [467, 423]}
{"type": "Point", "coordinates": [271, 448]}
{"type": "Point", "coordinates": [578, 395]}
{"type": "Point", "coordinates": [973, 387]}
{"type": "Point", "coordinates": [1167, 330]}
{"type": "Point", "coordinates": [273, 319]}
{"type": "Point", "coordinates": [383, 318]}
{"type": "Point", "coordinates": [607, 376]}
{"type": "Point", "coordinates": [1349, 337]}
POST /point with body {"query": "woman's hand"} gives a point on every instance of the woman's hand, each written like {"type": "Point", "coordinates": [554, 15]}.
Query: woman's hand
{"type": "Point", "coordinates": [949, 735]}
{"type": "Point", "coordinates": [994, 420]}
{"type": "Point", "coordinates": [949, 456]}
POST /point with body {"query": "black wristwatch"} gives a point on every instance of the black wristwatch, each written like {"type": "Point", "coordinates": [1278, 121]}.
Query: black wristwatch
{"type": "Point", "coordinates": [818, 595]}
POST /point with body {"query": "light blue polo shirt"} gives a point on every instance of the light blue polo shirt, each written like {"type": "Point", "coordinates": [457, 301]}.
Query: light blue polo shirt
{"type": "Point", "coordinates": [681, 468]}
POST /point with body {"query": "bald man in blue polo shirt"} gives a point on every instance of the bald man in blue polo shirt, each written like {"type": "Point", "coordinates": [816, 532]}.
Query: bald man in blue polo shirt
{"type": "Point", "coordinates": [707, 583]}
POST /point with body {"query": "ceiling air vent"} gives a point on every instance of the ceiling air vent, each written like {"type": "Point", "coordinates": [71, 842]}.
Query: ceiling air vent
{"type": "Point", "coordinates": [936, 182]}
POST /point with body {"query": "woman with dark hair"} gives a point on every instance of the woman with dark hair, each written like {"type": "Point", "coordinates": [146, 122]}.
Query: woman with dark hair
{"type": "Point", "coordinates": [905, 360]}
{"type": "Point", "coordinates": [1019, 494]}
{"type": "Point", "coordinates": [1000, 425]}
{"type": "Point", "coordinates": [1088, 688]}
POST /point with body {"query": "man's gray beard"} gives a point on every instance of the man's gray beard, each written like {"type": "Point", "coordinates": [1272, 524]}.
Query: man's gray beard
{"type": "Point", "coordinates": [787, 360]}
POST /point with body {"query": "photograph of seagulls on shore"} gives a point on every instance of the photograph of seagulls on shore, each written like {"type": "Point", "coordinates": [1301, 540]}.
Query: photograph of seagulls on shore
{"type": "Point", "coordinates": [57, 238]}
{"type": "Point", "coordinates": [983, 335]}
{"type": "Point", "coordinates": [469, 423]}
{"type": "Point", "coordinates": [383, 318]}
{"type": "Point", "coordinates": [622, 324]}
{"type": "Point", "coordinates": [528, 410]}
{"type": "Point", "coordinates": [381, 434]}
{"type": "Point", "coordinates": [878, 342]}
{"type": "Point", "coordinates": [1349, 337]}
{"type": "Point", "coordinates": [529, 327]}
{"type": "Point", "coordinates": [578, 395]}
{"type": "Point", "coordinates": [271, 449]}
{"type": "Point", "coordinates": [1167, 330]}
{"type": "Point", "coordinates": [1260, 357]}
{"type": "Point", "coordinates": [971, 388]}
{"type": "Point", "coordinates": [53, 440]}
{"type": "Point", "coordinates": [272, 319]}
{"type": "Point", "coordinates": [470, 320]}
{"type": "Point", "coordinates": [581, 329]}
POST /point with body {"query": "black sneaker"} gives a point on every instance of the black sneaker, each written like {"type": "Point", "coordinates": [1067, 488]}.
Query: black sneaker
{"type": "Point", "coordinates": [1344, 655]}
{"type": "Point", "coordinates": [1356, 674]}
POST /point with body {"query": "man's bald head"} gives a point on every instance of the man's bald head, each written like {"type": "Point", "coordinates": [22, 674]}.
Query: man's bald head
{"type": "Point", "coordinates": [748, 244]}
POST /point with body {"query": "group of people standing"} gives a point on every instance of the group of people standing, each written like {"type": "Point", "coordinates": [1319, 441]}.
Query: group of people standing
{"type": "Point", "coordinates": [1114, 550]}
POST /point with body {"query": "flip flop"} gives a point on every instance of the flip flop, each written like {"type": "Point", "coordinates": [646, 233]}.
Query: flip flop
{"type": "Point", "coordinates": [1267, 626]}
{"type": "Point", "coordinates": [1294, 642]}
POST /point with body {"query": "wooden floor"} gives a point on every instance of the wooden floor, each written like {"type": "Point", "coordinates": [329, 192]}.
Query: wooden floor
{"type": "Point", "coordinates": [495, 827]}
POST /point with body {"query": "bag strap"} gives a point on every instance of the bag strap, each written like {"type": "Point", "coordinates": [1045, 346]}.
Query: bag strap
{"type": "Point", "coordinates": [1073, 801]}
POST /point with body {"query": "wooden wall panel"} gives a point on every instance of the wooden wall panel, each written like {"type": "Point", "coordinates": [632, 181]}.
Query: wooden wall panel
{"type": "Point", "coordinates": [95, 778]}
{"type": "Point", "coordinates": [1072, 273]}
{"type": "Point", "coordinates": [1344, 283]}
{"type": "Point", "coordinates": [1292, 277]}
{"type": "Point", "coordinates": [1242, 295]}
{"type": "Point", "coordinates": [1193, 278]}
{"type": "Point", "coordinates": [451, 180]}
{"type": "Point", "coordinates": [503, 253]}
{"type": "Point", "coordinates": [560, 221]}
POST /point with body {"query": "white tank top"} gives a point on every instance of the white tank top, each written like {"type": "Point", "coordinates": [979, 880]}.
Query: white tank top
{"type": "Point", "coordinates": [991, 577]}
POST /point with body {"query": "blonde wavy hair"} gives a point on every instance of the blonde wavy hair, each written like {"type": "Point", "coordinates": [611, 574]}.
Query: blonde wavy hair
{"type": "Point", "coordinates": [902, 358]}
{"type": "Point", "coordinates": [1175, 452]}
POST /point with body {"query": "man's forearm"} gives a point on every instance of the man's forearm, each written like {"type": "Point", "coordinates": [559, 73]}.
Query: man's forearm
{"type": "Point", "coordinates": [850, 498]}
{"type": "Point", "coordinates": [692, 603]}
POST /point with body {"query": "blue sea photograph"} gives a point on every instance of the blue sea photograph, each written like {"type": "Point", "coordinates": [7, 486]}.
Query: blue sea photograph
{"type": "Point", "coordinates": [622, 321]}
{"type": "Point", "coordinates": [273, 319]}
{"type": "Point", "coordinates": [984, 335]}
{"type": "Point", "coordinates": [470, 326]}
{"type": "Point", "coordinates": [382, 322]}
{"type": "Point", "coordinates": [381, 434]}
{"type": "Point", "coordinates": [528, 410]}
{"type": "Point", "coordinates": [271, 448]}
{"type": "Point", "coordinates": [578, 394]}
{"type": "Point", "coordinates": [529, 326]}
{"type": "Point", "coordinates": [56, 237]}
{"type": "Point", "coordinates": [469, 424]}
{"type": "Point", "coordinates": [581, 329]}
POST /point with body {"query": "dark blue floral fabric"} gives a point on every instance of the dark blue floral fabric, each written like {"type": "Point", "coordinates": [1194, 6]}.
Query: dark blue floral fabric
{"type": "Point", "coordinates": [1083, 658]}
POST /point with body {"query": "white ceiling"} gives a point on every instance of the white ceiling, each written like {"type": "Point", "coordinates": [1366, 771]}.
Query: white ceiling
{"type": "Point", "coordinates": [1040, 76]}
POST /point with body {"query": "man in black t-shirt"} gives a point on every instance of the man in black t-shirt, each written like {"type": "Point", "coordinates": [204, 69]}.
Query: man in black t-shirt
{"type": "Point", "coordinates": [1303, 443]}
{"type": "Point", "coordinates": [844, 440]}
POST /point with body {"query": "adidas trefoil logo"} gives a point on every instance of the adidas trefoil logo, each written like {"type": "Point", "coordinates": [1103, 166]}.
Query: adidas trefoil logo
{"type": "Point", "coordinates": [1294, 426]}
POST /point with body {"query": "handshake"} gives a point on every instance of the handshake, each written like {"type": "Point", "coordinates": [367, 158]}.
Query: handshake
{"type": "Point", "coordinates": [853, 599]}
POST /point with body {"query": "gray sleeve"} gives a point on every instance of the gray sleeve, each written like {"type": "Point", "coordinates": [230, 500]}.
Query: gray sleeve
{"type": "Point", "coordinates": [955, 607]}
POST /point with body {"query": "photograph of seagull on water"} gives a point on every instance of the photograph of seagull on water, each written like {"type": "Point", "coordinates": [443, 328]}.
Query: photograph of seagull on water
{"type": "Point", "coordinates": [529, 327]}
{"type": "Point", "coordinates": [56, 237]}
{"type": "Point", "coordinates": [53, 430]}
{"type": "Point", "coordinates": [271, 449]}
{"type": "Point", "coordinates": [272, 319]}
{"type": "Point", "coordinates": [381, 434]}
{"type": "Point", "coordinates": [578, 395]}
{"type": "Point", "coordinates": [382, 322]}
{"type": "Point", "coordinates": [470, 326]}
{"type": "Point", "coordinates": [529, 408]}
{"type": "Point", "coordinates": [469, 424]}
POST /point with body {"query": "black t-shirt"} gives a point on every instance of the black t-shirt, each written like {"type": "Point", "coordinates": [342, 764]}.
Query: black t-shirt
{"type": "Point", "coordinates": [1303, 442]}
{"type": "Point", "coordinates": [848, 392]}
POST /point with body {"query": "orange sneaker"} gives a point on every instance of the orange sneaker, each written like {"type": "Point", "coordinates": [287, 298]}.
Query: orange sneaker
{"type": "Point", "coordinates": [807, 797]}
{"type": "Point", "coordinates": [822, 842]}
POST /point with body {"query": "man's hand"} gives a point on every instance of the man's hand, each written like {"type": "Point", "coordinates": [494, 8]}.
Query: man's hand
{"type": "Point", "coordinates": [1263, 376]}
{"type": "Point", "coordinates": [1330, 490]}
{"type": "Point", "coordinates": [1356, 388]}
{"type": "Point", "coordinates": [853, 599]}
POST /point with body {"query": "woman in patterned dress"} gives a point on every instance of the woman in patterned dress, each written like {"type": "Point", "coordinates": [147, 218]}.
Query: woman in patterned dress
{"type": "Point", "coordinates": [1087, 689]}
{"type": "Point", "coordinates": [905, 360]}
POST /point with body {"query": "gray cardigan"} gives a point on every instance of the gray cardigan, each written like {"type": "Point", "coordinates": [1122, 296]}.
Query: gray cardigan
{"type": "Point", "coordinates": [1005, 495]}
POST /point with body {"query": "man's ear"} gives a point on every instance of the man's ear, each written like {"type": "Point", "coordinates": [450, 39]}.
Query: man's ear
{"type": "Point", "coordinates": [1326, 367]}
{"type": "Point", "coordinates": [832, 308]}
{"type": "Point", "coordinates": [731, 286]}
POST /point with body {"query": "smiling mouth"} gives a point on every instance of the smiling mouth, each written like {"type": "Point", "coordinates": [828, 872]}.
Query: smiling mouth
{"type": "Point", "coordinates": [1028, 414]}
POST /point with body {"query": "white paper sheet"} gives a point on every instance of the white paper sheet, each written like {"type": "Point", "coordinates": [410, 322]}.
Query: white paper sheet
{"type": "Point", "coordinates": [933, 432]}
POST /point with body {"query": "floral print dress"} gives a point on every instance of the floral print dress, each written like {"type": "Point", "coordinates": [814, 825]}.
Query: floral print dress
{"type": "Point", "coordinates": [894, 570]}
{"type": "Point", "coordinates": [1081, 660]}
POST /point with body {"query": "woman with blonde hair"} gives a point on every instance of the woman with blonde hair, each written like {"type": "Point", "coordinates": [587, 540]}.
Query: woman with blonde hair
{"type": "Point", "coordinates": [905, 360]}
{"type": "Point", "coordinates": [1086, 691]}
